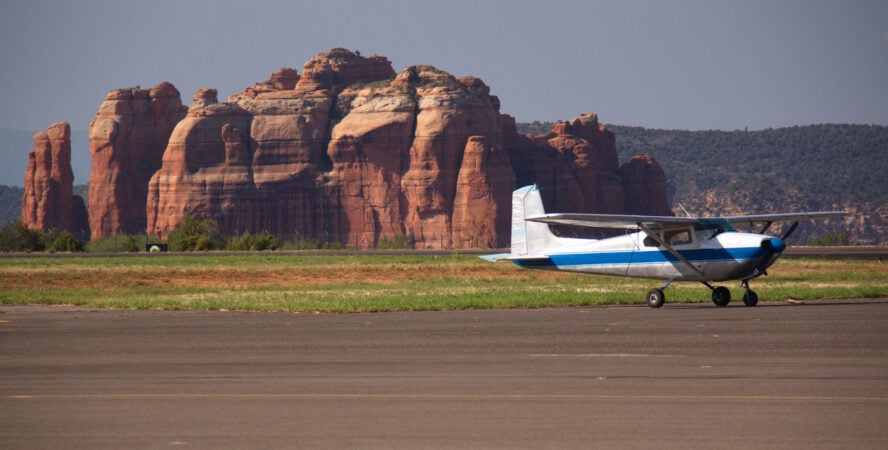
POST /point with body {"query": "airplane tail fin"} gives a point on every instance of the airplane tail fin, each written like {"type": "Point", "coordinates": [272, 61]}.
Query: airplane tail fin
{"type": "Point", "coordinates": [529, 237]}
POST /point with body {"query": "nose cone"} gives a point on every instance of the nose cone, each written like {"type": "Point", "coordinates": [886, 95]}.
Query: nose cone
{"type": "Point", "coordinates": [775, 244]}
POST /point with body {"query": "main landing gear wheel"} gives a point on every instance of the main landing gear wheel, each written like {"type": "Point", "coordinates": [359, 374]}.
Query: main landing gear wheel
{"type": "Point", "coordinates": [721, 296]}
{"type": "Point", "coordinates": [750, 298]}
{"type": "Point", "coordinates": [655, 298]}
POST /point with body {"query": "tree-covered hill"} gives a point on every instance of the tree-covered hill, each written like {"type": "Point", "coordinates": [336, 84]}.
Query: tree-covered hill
{"type": "Point", "coordinates": [817, 167]}
{"type": "Point", "coordinates": [826, 164]}
{"type": "Point", "coordinates": [10, 204]}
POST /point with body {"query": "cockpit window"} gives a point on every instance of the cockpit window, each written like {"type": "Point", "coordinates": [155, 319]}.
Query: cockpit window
{"type": "Point", "coordinates": [709, 228]}
{"type": "Point", "coordinates": [678, 237]}
{"type": "Point", "coordinates": [703, 230]}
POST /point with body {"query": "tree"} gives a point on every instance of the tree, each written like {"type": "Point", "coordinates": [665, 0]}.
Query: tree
{"type": "Point", "coordinates": [65, 242]}
{"type": "Point", "coordinates": [195, 234]}
{"type": "Point", "coordinates": [16, 237]}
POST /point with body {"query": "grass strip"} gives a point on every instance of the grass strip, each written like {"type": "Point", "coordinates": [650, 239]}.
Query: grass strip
{"type": "Point", "coordinates": [368, 282]}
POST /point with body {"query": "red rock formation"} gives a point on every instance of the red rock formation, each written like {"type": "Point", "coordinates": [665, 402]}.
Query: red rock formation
{"type": "Point", "coordinates": [448, 114]}
{"type": "Point", "coordinates": [575, 165]}
{"type": "Point", "coordinates": [127, 139]}
{"type": "Point", "coordinates": [48, 201]}
{"type": "Point", "coordinates": [335, 158]}
{"type": "Point", "coordinates": [205, 169]}
{"type": "Point", "coordinates": [644, 184]}
{"type": "Point", "coordinates": [368, 149]}
{"type": "Point", "coordinates": [482, 204]}
{"type": "Point", "coordinates": [351, 152]}
{"type": "Point", "coordinates": [339, 68]}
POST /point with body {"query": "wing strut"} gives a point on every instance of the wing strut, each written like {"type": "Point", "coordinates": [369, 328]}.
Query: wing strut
{"type": "Point", "coordinates": [789, 231]}
{"type": "Point", "coordinates": [672, 250]}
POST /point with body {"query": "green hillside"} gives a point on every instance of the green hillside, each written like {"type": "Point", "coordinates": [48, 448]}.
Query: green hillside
{"type": "Point", "coordinates": [10, 204]}
{"type": "Point", "coordinates": [820, 165]}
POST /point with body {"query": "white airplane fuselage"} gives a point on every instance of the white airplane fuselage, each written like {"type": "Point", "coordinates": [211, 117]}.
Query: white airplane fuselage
{"type": "Point", "coordinates": [726, 256]}
{"type": "Point", "coordinates": [666, 248]}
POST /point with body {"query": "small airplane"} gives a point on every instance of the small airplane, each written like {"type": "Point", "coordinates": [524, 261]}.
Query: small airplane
{"type": "Point", "coordinates": [666, 248]}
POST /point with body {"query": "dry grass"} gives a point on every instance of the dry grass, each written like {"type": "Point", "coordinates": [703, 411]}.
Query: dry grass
{"type": "Point", "coordinates": [74, 276]}
{"type": "Point", "coordinates": [378, 283]}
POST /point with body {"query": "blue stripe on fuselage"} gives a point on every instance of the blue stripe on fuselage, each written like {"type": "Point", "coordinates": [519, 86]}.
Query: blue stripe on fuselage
{"type": "Point", "coordinates": [652, 257]}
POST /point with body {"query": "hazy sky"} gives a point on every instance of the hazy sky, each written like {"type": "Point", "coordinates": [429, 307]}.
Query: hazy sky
{"type": "Point", "coordinates": [659, 64]}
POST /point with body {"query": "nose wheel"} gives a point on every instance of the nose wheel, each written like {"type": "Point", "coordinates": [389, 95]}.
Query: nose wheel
{"type": "Point", "coordinates": [750, 298]}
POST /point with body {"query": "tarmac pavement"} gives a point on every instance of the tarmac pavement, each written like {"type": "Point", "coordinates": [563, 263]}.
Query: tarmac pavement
{"type": "Point", "coordinates": [780, 375]}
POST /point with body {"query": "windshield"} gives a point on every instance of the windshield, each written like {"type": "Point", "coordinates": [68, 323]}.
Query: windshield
{"type": "Point", "coordinates": [709, 228]}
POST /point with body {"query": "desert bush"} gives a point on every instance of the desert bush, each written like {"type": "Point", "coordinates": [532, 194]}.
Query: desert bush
{"type": "Point", "coordinates": [253, 242]}
{"type": "Point", "coordinates": [16, 237]}
{"type": "Point", "coordinates": [64, 242]}
{"type": "Point", "coordinates": [196, 235]}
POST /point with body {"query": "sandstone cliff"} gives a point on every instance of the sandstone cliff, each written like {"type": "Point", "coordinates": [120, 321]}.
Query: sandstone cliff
{"type": "Point", "coordinates": [48, 201]}
{"type": "Point", "coordinates": [349, 151]}
{"type": "Point", "coordinates": [352, 152]}
{"type": "Point", "coordinates": [127, 138]}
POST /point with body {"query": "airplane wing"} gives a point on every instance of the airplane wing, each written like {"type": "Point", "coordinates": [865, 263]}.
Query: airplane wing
{"type": "Point", "coordinates": [786, 217]}
{"type": "Point", "coordinates": [623, 221]}
{"type": "Point", "coordinates": [619, 221]}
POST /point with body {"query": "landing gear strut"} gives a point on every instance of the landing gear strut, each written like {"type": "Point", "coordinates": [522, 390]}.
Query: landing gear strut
{"type": "Point", "coordinates": [655, 297]}
{"type": "Point", "coordinates": [721, 296]}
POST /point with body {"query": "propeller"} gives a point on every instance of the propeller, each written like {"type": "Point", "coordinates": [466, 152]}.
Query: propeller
{"type": "Point", "coordinates": [773, 247]}
{"type": "Point", "coordinates": [773, 244]}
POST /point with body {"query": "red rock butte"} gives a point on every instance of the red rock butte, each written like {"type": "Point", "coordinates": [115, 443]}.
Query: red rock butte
{"type": "Point", "coordinates": [351, 152]}
{"type": "Point", "coordinates": [48, 201]}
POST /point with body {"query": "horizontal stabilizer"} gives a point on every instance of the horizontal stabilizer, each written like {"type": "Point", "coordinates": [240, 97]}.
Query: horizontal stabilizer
{"type": "Point", "coordinates": [495, 257]}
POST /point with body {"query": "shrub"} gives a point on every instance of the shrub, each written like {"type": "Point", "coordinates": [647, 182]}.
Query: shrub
{"type": "Point", "coordinates": [65, 242]}
{"type": "Point", "coordinates": [129, 245]}
{"type": "Point", "coordinates": [397, 242]}
{"type": "Point", "coordinates": [830, 239]}
{"type": "Point", "coordinates": [195, 234]}
{"type": "Point", "coordinates": [117, 243]}
{"type": "Point", "coordinates": [302, 244]}
{"type": "Point", "coordinates": [16, 237]}
{"type": "Point", "coordinates": [258, 242]}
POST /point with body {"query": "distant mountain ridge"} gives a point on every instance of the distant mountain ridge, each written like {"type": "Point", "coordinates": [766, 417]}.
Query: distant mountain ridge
{"type": "Point", "coordinates": [802, 168]}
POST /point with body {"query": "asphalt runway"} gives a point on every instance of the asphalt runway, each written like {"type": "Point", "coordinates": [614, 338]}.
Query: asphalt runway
{"type": "Point", "coordinates": [780, 375]}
